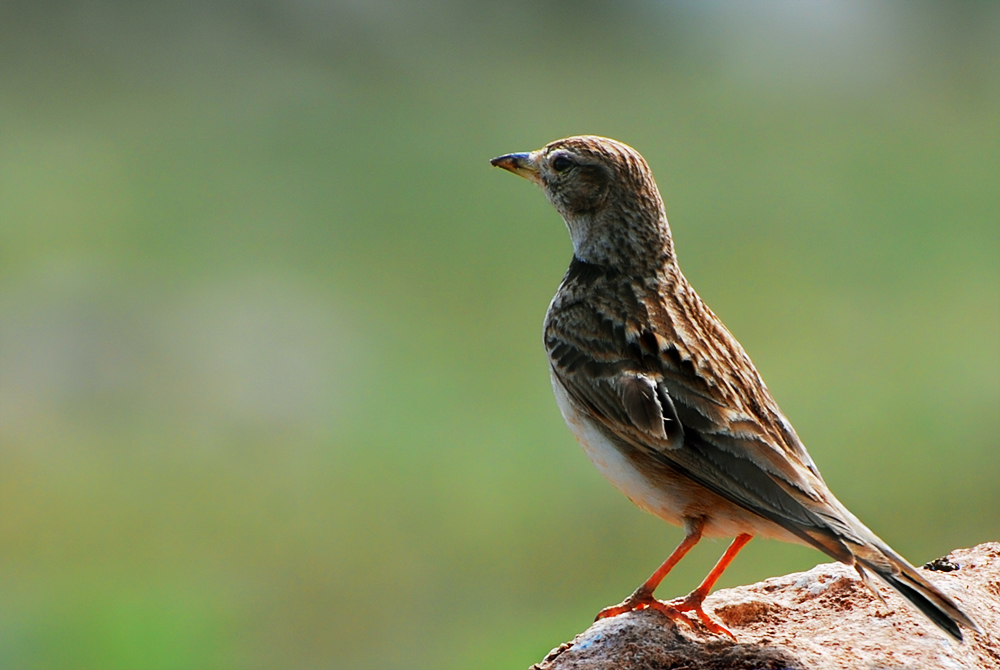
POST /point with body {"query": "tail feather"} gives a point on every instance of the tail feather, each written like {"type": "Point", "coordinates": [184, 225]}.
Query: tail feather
{"type": "Point", "coordinates": [895, 571]}
{"type": "Point", "coordinates": [864, 549]}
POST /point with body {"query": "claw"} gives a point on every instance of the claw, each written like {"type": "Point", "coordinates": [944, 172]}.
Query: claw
{"type": "Point", "coordinates": [640, 601]}
{"type": "Point", "coordinates": [693, 603]}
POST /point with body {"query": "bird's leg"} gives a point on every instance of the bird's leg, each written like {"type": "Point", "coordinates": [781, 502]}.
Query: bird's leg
{"type": "Point", "coordinates": [693, 601]}
{"type": "Point", "coordinates": [642, 597]}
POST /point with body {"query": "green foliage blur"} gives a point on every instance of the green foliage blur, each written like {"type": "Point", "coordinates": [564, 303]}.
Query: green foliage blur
{"type": "Point", "coordinates": [272, 390]}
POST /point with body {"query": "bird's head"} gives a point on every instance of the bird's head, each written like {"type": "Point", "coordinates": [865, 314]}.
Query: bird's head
{"type": "Point", "coordinates": [605, 192]}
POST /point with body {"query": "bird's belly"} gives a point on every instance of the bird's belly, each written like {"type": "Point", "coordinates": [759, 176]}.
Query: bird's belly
{"type": "Point", "coordinates": [672, 497]}
{"type": "Point", "coordinates": [616, 467]}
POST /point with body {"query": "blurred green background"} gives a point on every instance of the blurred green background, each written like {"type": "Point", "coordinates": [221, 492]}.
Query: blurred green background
{"type": "Point", "coordinates": [273, 390]}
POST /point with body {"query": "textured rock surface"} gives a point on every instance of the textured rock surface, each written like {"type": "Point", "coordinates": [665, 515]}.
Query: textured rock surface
{"type": "Point", "coordinates": [817, 620]}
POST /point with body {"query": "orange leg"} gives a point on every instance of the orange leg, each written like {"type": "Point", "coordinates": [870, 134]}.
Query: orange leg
{"type": "Point", "coordinates": [693, 601]}
{"type": "Point", "coordinates": [642, 597]}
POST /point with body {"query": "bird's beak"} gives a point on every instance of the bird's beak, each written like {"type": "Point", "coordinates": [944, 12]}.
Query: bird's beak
{"type": "Point", "coordinates": [523, 165]}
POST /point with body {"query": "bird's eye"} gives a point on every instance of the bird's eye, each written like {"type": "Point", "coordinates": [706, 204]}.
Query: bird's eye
{"type": "Point", "coordinates": [561, 164]}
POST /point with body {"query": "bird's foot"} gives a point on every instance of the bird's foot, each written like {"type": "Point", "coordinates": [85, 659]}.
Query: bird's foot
{"type": "Point", "coordinates": [641, 600]}
{"type": "Point", "coordinates": [692, 602]}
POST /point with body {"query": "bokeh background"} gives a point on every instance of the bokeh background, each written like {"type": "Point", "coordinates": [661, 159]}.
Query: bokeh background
{"type": "Point", "coordinates": [272, 391]}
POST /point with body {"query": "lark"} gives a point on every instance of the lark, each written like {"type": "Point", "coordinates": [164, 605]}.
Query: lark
{"type": "Point", "coordinates": [665, 401]}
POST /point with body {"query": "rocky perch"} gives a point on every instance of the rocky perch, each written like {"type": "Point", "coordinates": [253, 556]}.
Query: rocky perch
{"type": "Point", "coordinates": [817, 620]}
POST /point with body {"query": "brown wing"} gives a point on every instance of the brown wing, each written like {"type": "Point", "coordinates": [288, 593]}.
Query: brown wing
{"type": "Point", "coordinates": [666, 403]}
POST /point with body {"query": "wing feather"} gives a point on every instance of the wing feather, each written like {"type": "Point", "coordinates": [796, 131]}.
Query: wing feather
{"type": "Point", "coordinates": [693, 437]}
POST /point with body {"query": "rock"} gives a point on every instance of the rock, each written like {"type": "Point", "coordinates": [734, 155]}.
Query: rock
{"type": "Point", "coordinates": [823, 619]}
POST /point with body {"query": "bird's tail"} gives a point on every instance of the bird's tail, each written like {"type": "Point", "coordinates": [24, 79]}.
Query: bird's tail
{"type": "Point", "coordinates": [895, 571]}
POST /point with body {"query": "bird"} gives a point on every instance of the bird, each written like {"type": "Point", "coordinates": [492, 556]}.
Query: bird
{"type": "Point", "coordinates": [665, 401]}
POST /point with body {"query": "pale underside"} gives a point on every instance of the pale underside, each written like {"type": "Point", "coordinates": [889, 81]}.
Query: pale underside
{"type": "Point", "coordinates": [674, 501]}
